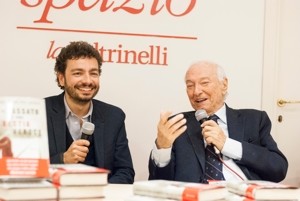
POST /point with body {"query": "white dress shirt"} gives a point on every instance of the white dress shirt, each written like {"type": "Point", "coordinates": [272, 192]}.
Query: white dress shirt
{"type": "Point", "coordinates": [74, 122]}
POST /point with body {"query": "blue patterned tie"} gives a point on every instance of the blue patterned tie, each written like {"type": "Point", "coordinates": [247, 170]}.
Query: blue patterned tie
{"type": "Point", "coordinates": [213, 165]}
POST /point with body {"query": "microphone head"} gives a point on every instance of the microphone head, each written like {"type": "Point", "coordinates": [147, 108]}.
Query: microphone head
{"type": "Point", "coordinates": [201, 115]}
{"type": "Point", "coordinates": [88, 128]}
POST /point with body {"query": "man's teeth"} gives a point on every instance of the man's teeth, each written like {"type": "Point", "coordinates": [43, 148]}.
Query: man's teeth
{"type": "Point", "coordinates": [84, 89]}
{"type": "Point", "coordinates": [199, 101]}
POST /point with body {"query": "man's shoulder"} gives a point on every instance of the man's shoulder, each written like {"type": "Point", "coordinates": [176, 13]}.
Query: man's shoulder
{"type": "Point", "coordinates": [54, 98]}
{"type": "Point", "coordinates": [109, 112]}
{"type": "Point", "coordinates": [100, 103]}
{"type": "Point", "coordinates": [104, 106]}
{"type": "Point", "coordinates": [55, 104]}
{"type": "Point", "coordinates": [247, 112]}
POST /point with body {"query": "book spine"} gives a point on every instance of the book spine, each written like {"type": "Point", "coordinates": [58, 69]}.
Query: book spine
{"type": "Point", "coordinates": [56, 176]}
{"type": "Point", "coordinates": [235, 197]}
{"type": "Point", "coordinates": [247, 190]}
{"type": "Point", "coordinates": [190, 194]}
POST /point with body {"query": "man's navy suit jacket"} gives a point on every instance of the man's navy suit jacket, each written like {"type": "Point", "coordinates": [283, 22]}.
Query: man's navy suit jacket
{"type": "Point", "coordinates": [261, 158]}
{"type": "Point", "coordinates": [110, 140]}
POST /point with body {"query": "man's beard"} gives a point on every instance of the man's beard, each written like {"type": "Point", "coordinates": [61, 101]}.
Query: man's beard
{"type": "Point", "coordinates": [71, 91]}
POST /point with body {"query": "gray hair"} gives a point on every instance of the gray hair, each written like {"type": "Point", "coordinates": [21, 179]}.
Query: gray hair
{"type": "Point", "coordinates": [220, 70]}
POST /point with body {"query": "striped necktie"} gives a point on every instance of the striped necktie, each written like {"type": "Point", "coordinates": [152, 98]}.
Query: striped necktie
{"type": "Point", "coordinates": [213, 165]}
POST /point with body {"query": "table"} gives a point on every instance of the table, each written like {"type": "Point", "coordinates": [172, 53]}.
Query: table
{"type": "Point", "coordinates": [117, 192]}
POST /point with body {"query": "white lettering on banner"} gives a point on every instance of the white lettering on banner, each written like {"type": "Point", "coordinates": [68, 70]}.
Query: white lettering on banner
{"type": "Point", "coordinates": [153, 55]}
{"type": "Point", "coordinates": [128, 6]}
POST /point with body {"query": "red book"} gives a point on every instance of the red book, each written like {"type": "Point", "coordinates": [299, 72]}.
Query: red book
{"type": "Point", "coordinates": [77, 175]}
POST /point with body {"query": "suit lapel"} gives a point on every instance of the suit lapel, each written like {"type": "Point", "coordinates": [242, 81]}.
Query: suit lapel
{"type": "Point", "coordinates": [98, 120]}
{"type": "Point", "coordinates": [59, 124]}
{"type": "Point", "coordinates": [235, 124]}
{"type": "Point", "coordinates": [194, 133]}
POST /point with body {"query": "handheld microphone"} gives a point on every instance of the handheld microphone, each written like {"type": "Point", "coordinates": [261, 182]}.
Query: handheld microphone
{"type": "Point", "coordinates": [87, 130]}
{"type": "Point", "coordinates": [202, 116]}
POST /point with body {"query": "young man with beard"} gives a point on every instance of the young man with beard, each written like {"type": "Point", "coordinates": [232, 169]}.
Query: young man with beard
{"type": "Point", "coordinates": [78, 69]}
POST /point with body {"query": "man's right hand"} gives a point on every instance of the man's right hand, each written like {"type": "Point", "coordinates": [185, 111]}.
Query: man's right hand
{"type": "Point", "coordinates": [77, 151]}
{"type": "Point", "coordinates": [169, 129]}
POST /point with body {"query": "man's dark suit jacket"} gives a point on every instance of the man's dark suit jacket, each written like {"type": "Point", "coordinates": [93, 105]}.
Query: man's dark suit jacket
{"type": "Point", "coordinates": [261, 158]}
{"type": "Point", "coordinates": [110, 140]}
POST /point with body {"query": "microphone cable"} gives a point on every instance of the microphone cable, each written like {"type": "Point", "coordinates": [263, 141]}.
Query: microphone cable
{"type": "Point", "coordinates": [233, 171]}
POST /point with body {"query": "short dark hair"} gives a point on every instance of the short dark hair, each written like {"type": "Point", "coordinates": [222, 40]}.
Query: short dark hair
{"type": "Point", "coordinates": [75, 50]}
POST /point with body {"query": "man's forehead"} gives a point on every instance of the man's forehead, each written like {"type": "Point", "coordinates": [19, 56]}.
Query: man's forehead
{"type": "Point", "coordinates": [200, 72]}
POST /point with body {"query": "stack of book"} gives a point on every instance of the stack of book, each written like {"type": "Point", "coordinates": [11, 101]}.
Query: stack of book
{"type": "Point", "coordinates": [24, 153]}
{"type": "Point", "coordinates": [75, 181]}
{"type": "Point", "coordinates": [164, 190]}
{"type": "Point", "coordinates": [259, 190]}
{"type": "Point", "coordinates": [25, 170]}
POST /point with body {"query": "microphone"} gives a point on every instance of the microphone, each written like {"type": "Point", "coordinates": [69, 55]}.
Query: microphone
{"type": "Point", "coordinates": [202, 116]}
{"type": "Point", "coordinates": [87, 130]}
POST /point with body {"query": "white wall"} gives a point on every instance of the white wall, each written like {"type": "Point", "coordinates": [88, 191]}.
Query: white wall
{"type": "Point", "coordinates": [227, 32]}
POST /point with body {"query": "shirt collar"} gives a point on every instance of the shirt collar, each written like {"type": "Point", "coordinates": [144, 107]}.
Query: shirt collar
{"type": "Point", "coordinates": [221, 113]}
{"type": "Point", "coordinates": [69, 111]}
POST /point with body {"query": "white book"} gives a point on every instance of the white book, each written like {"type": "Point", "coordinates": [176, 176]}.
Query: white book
{"type": "Point", "coordinates": [263, 190]}
{"type": "Point", "coordinates": [27, 190]}
{"type": "Point", "coordinates": [177, 190]}
{"type": "Point", "coordinates": [146, 198]}
{"type": "Point", "coordinates": [24, 145]}
{"type": "Point", "coordinates": [236, 197]}
{"type": "Point", "coordinates": [77, 192]}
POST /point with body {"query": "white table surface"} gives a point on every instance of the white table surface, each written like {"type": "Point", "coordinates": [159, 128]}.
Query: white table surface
{"type": "Point", "coordinates": [117, 192]}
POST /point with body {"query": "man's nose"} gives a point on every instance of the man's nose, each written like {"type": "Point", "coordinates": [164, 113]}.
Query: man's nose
{"type": "Point", "coordinates": [197, 90]}
{"type": "Point", "coordinates": [87, 78]}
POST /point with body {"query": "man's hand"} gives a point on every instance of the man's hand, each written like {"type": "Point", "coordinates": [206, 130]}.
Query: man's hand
{"type": "Point", "coordinates": [77, 151]}
{"type": "Point", "coordinates": [213, 134]}
{"type": "Point", "coordinates": [169, 129]}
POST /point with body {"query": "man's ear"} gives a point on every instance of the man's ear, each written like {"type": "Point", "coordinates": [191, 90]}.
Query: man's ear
{"type": "Point", "coordinates": [225, 86]}
{"type": "Point", "coordinates": [61, 79]}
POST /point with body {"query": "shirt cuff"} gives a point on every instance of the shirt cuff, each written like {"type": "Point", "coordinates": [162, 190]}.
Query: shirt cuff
{"type": "Point", "coordinates": [232, 149]}
{"type": "Point", "coordinates": [161, 157]}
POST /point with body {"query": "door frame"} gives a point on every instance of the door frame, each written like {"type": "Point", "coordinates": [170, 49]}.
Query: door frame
{"type": "Point", "coordinates": [271, 60]}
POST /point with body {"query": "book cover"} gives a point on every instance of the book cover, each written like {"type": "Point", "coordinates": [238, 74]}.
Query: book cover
{"type": "Point", "coordinates": [185, 191]}
{"type": "Point", "coordinates": [263, 190]}
{"type": "Point", "coordinates": [77, 174]}
{"type": "Point", "coordinates": [23, 138]}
